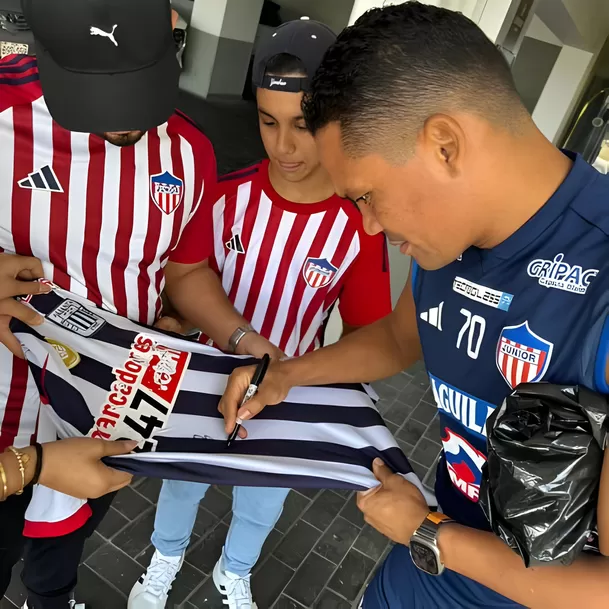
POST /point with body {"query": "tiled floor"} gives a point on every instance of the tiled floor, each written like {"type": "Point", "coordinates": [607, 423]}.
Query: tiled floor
{"type": "Point", "coordinates": [320, 555]}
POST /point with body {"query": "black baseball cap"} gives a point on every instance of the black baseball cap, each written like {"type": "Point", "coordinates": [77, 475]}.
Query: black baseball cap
{"type": "Point", "coordinates": [305, 39]}
{"type": "Point", "coordinates": [105, 65]}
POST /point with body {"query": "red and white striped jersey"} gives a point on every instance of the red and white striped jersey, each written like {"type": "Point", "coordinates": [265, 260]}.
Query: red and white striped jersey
{"type": "Point", "coordinates": [284, 264]}
{"type": "Point", "coordinates": [103, 219]}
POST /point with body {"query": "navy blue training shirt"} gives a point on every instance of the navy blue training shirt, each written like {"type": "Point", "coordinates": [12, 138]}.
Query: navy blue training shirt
{"type": "Point", "coordinates": [533, 308]}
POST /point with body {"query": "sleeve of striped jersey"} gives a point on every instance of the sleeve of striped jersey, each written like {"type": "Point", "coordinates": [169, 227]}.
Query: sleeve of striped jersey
{"type": "Point", "coordinates": [19, 81]}
{"type": "Point", "coordinates": [197, 241]}
{"type": "Point", "coordinates": [366, 294]}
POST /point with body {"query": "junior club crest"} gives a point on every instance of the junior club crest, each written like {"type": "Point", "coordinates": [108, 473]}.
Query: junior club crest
{"type": "Point", "coordinates": [166, 191]}
{"type": "Point", "coordinates": [318, 272]}
{"type": "Point", "coordinates": [522, 355]}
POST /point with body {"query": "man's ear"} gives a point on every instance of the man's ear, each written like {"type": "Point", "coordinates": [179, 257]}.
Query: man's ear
{"type": "Point", "coordinates": [443, 139]}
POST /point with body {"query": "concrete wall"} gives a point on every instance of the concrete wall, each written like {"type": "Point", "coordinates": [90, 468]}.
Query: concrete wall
{"type": "Point", "coordinates": [334, 13]}
{"type": "Point", "coordinates": [532, 68]}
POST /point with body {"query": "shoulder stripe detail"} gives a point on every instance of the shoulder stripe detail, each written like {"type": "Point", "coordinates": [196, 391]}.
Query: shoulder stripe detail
{"type": "Point", "coordinates": [190, 120]}
{"type": "Point", "coordinates": [237, 175]}
{"type": "Point", "coordinates": [18, 69]}
{"type": "Point", "coordinates": [19, 81]}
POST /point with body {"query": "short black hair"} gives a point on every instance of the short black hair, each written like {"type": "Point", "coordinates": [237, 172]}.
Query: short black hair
{"type": "Point", "coordinates": [397, 66]}
{"type": "Point", "coordinates": [285, 64]}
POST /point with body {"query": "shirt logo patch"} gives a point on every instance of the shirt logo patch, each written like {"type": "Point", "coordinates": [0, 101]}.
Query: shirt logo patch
{"type": "Point", "coordinates": [522, 355]}
{"type": "Point", "coordinates": [318, 272]}
{"type": "Point", "coordinates": [482, 294]}
{"type": "Point", "coordinates": [43, 179]}
{"type": "Point", "coordinates": [69, 357]}
{"type": "Point", "coordinates": [434, 316]}
{"type": "Point", "coordinates": [470, 411]}
{"type": "Point", "coordinates": [560, 275]}
{"type": "Point", "coordinates": [166, 191]}
{"type": "Point", "coordinates": [464, 463]}
{"type": "Point", "coordinates": [235, 244]}
{"type": "Point", "coordinates": [77, 319]}
{"type": "Point", "coordinates": [143, 394]}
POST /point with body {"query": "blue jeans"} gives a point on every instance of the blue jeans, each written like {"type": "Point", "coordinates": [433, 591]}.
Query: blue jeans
{"type": "Point", "coordinates": [255, 512]}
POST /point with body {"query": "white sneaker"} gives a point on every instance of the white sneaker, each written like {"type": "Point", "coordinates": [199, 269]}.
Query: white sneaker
{"type": "Point", "coordinates": [236, 589]}
{"type": "Point", "coordinates": [152, 589]}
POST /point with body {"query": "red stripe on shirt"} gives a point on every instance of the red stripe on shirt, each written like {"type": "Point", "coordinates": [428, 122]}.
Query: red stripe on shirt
{"type": "Point", "coordinates": [316, 248]}
{"type": "Point", "coordinates": [58, 223]}
{"type": "Point", "coordinates": [93, 221]}
{"type": "Point", "coordinates": [124, 228]}
{"type": "Point", "coordinates": [14, 403]}
{"type": "Point", "coordinates": [23, 165]}
{"type": "Point", "coordinates": [154, 226]}
{"type": "Point", "coordinates": [249, 220]}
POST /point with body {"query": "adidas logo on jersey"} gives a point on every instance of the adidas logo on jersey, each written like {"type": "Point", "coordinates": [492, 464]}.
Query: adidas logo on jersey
{"type": "Point", "coordinates": [235, 244]}
{"type": "Point", "coordinates": [44, 179]}
{"type": "Point", "coordinates": [434, 316]}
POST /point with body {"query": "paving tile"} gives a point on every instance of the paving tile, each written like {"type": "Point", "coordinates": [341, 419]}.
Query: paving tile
{"type": "Point", "coordinates": [112, 523]}
{"type": "Point", "coordinates": [204, 523]}
{"type": "Point", "coordinates": [386, 392]}
{"type": "Point", "coordinates": [187, 581]}
{"type": "Point", "coordinates": [272, 541]}
{"type": "Point", "coordinates": [384, 404]}
{"type": "Point", "coordinates": [412, 432]}
{"type": "Point", "coordinates": [430, 479]}
{"type": "Point", "coordinates": [398, 413]}
{"type": "Point", "coordinates": [130, 504]}
{"type": "Point", "coordinates": [16, 591]}
{"type": "Point", "coordinates": [419, 469]}
{"type": "Point", "coordinates": [6, 604]}
{"type": "Point", "coordinates": [371, 543]}
{"type": "Point", "coordinates": [418, 366]}
{"type": "Point", "coordinates": [352, 513]}
{"type": "Point", "coordinates": [136, 537]}
{"type": "Point", "coordinates": [392, 427]}
{"type": "Point", "coordinates": [144, 558]}
{"type": "Point", "coordinates": [217, 502]}
{"type": "Point", "coordinates": [351, 575]}
{"type": "Point", "coordinates": [324, 509]}
{"type": "Point", "coordinates": [309, 493]}
{"type": "Point", "coordinates": [226, 490]}
{"type": "Point", "coordinates": [205, 554]}
{"type": "Point", "coordinates": [421, 380]}
{"type": "Point", "coordinates": [405, 446]}
{"type": "Point", "coordinates": [294, 506]}
{"type": "Point", "coordinates": [426, 452]}
{"type": "Point", "coordinates": [331, 600]}
{"type": "Point", "coordinates": [424, 413]}
{"type": "Point", "coordinates": [115, 567]}
{"type": "Point", "coordinates": [428, 397]}
{"type": "Point", "coordinates": [296, 544]}
{"type": "Point", "coordinates": [206, 597]}
{"type": "Point", "coordinates": [337, 540]}
{"type": "Point", "coordinates": [434, 431]}
{"type": "Point", "coordinates": [397, 381]}
{"type": "Point", "coordinates": [310, 579]}
{"type": "Point", "coordinates": [92, 544]}
{"type": "Point", "coordinates": [268, 583]}
{"type": "Point", "coordinates": [283, 602]}
{"type": "Point", "coordinates": [150, 488]}
{"type": "Point", "coordinates": [97, 593]}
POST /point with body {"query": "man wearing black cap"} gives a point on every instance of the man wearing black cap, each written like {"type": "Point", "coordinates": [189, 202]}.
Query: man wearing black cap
{"type": "Point", "coordinates": [100, 180]}
{"type": "Point", "coordinates": [286, 249]}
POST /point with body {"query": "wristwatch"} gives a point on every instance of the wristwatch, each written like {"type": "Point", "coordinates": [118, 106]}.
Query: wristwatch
{"type": "Point", "coordinates": [237, 336]}
{"type": "Point", "coordinates": [424, 549]}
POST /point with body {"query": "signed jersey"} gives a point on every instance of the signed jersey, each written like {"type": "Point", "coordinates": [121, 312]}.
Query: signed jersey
{"type": "Point", "coordinates": [534, 308]}
{"type": "Point", "coordinates": [104, 376]}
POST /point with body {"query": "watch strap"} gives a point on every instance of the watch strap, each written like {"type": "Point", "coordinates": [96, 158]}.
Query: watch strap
{"type": "Point", "coordinates": [237, 336]}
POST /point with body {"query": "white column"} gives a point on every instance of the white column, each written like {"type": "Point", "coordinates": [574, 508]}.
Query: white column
{"type": "Point", "coordinates": [219, 46]}
{"type": "Point", "coordinates": [562, 91]}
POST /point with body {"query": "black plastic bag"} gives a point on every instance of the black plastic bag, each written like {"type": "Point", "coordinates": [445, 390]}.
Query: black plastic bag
{"type": "Point", "coordinates": [540, 484]}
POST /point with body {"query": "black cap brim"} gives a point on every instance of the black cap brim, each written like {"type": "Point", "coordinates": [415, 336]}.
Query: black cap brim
{"type": "Point", "coordinates": [100, 103]}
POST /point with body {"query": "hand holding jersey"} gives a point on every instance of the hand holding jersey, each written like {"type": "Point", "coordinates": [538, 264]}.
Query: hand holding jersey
{"type": "Point", "coordinates": [17, 274]}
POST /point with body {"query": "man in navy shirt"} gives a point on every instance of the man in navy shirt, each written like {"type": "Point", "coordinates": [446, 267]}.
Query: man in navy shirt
{"type": "Point", "coordinates": [418, 122]}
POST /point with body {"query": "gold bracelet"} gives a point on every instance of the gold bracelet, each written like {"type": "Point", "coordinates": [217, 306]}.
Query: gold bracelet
{"type": "Point", "coordinates": [23, 460]}
{"type": "Point", "coordinates": [4, 483]}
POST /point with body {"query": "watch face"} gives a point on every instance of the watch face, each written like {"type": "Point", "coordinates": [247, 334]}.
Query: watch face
{"type": "Point", "coordinates": [424, 558]}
